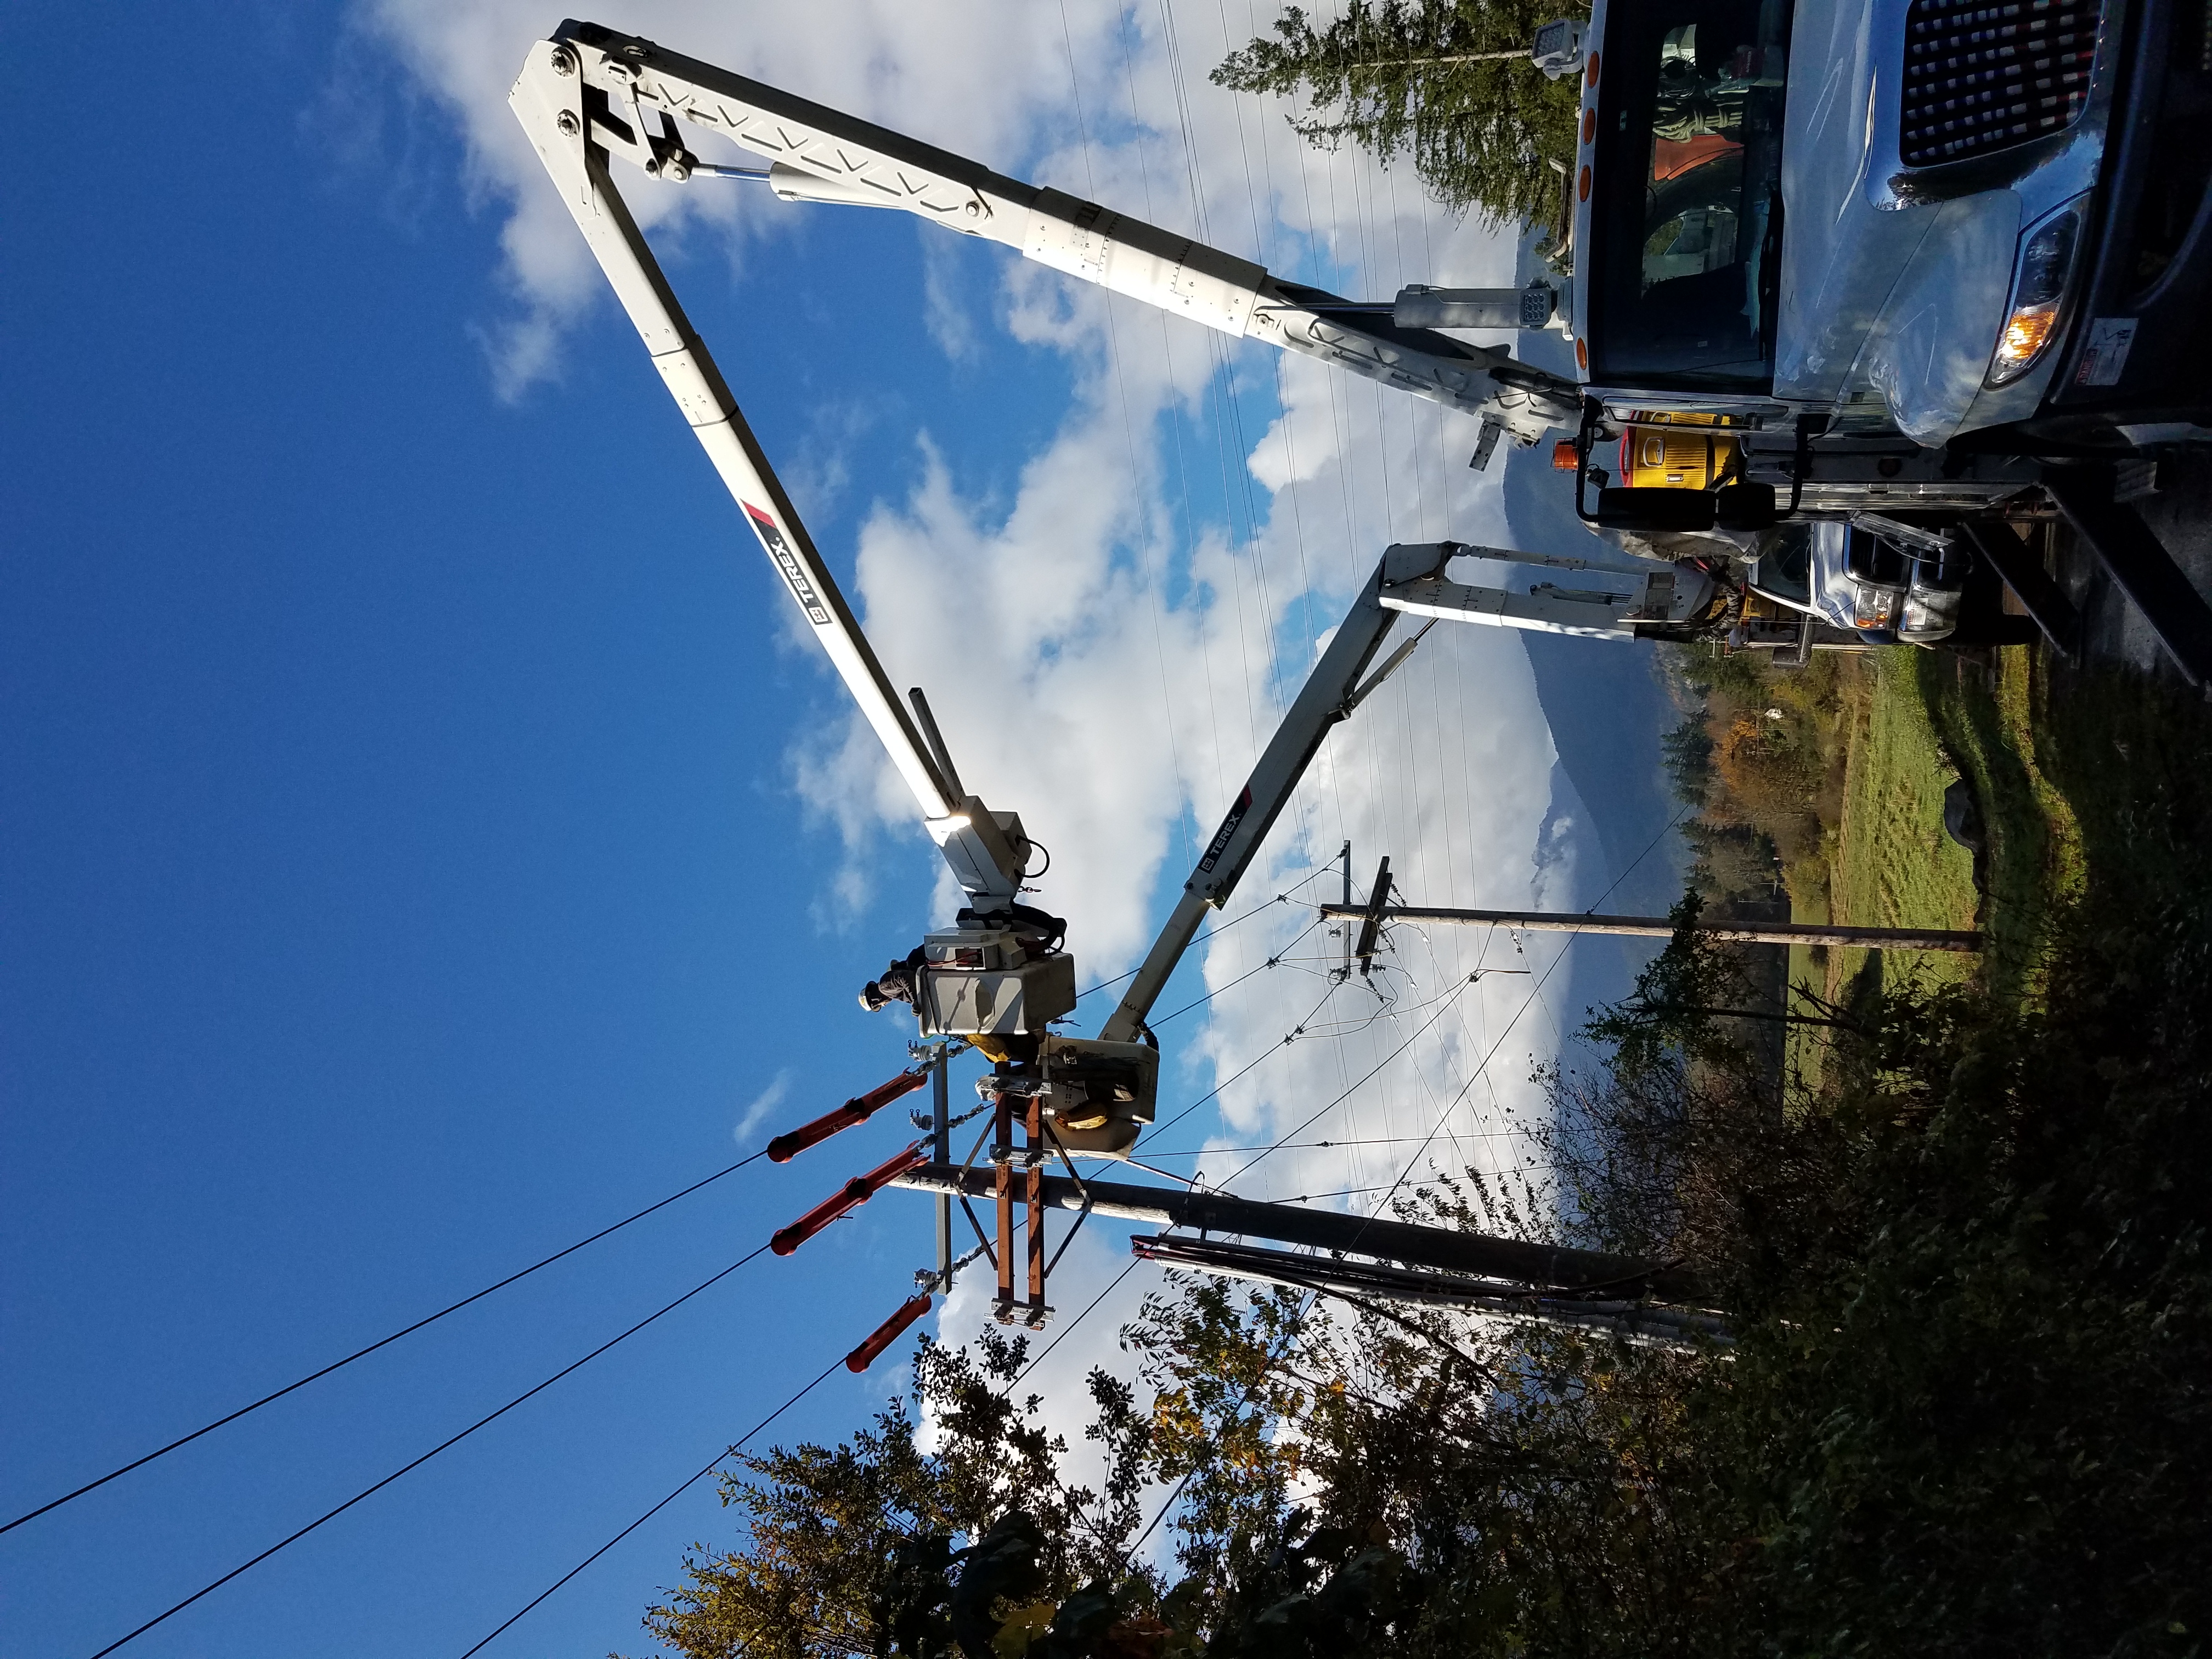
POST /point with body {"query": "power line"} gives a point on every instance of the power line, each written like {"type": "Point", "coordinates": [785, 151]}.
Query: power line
{"type": "Point", "coordinates": [362, 1354]}
{"type": "Point", "coordinates": [688, 1482]}
{"type": "Point", "coordinates": [403, 1468]}
{"type": "Point", "coordinates": [1344, 1192]}
{"type": "Point", "coordinates": [1372, 1071]}
{"type": "Point", "coordinates": [1070, 1324]}
{"type": "Point", "coordinates": [1278, 958]}
{"type": "Point", "coordinates": [1286, 1146]}
{"type": "Point", "coordinates": [1212, 932]}
{"type": "Point", "coordinates": [1296, 1031]}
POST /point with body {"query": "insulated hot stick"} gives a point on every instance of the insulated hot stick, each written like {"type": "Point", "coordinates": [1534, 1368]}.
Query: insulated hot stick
{"type": "Point", "coordinates": [857, 1191]}
{"type": "Point", "coordinates": [887, 1332]}
{"type": "Point", "coordinates": [858, 1109]}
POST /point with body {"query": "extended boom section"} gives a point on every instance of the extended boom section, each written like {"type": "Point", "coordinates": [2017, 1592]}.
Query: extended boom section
{"type": "Point", "coordinates": [645, 102]}
{"type": "Point", "coordinates": [1331, 692]}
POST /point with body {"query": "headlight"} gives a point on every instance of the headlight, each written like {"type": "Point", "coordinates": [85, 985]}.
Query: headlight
{"type": "Point", "coordinates": [1930, 613]}
{"type": "Point", "coordinates": [1872, 606]}
{"type": "Point", "coordinates": [2040, 278]}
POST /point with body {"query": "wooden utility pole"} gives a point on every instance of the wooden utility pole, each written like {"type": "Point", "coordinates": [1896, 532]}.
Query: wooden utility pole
{"type": "Point", "coordinates": [1574, 921]}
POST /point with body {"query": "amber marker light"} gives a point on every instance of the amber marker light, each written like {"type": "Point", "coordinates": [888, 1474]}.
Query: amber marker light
{"type": "Point", "coordinates": [2042, 277]}
{"type": "Point", "coordinates": [2025, 334]}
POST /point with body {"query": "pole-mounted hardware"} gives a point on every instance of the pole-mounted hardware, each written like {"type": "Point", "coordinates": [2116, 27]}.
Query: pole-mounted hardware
{"type": "Point", "coordinates": [1370, 922]}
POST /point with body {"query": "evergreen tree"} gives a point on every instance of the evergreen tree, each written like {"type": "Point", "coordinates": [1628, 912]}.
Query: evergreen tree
{"type": "Point", "coordinates": [1449, 81]}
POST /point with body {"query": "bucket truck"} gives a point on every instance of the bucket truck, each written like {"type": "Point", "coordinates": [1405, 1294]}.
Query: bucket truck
{"type": "Point", "coordinates": [1930, 267]}
{"type": "Point", "coordinates": [1861, 309]}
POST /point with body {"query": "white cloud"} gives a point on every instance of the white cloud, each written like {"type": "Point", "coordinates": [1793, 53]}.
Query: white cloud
{"type": "Point", "coordinates": [757, 1110]}
{"type": "Point", "coordinates": [944, 306]}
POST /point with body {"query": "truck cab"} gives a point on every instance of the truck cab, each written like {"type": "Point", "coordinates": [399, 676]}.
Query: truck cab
{"type": "Point", "coordinates": [1941, 224]}
{"type": "Point", "coordinates": [1933, 264]}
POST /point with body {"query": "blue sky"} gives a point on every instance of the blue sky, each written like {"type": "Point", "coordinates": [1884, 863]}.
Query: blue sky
{"type": "Point", "coordinates": [427, 838]}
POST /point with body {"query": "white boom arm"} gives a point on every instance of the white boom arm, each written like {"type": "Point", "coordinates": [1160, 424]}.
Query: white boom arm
{"type": "Point", "coordinates": [1331, 692]}
{"type": "Point", "coordinates": [634, 93]}
{"type": "Point", "coordinates": [1626, 601]}
{"type": "Point", "coordinates": [1410, 580]}
{"type": "Point", "coordinates": [564, 102]}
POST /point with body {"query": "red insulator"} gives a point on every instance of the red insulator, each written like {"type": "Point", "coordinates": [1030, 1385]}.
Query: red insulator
{"type": "Point", "coordinates": [857, 1191]}
{"type": "Point", "coordinates": [785, 1147]}
{"type": "Point", "coordinates": [858, 1109]}
{"type": "Point", "coordinates": [887, 1332]}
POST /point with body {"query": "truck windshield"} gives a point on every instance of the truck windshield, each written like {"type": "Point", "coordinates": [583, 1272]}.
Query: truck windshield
{"type": "Point", "coordinates": [1686, 210]}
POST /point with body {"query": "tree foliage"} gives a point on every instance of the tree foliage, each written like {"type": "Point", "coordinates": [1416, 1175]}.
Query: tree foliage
{"type": "Point", "coordinates": [1422, 77]}
{"type": "Point", "coordinates": [1964, 1409]}
{"type": "Point", "coordinates": [878, 1546]}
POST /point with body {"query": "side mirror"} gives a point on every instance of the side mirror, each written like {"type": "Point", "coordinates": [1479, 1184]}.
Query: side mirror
{"type": "Point", "coordinates": [1745, 507]}
{"type": "Point", "coordinates": [1657, 509]}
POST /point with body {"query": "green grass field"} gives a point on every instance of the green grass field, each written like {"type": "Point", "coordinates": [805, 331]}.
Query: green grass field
{"type": "Point", "coordinates": [1989, 724]}
{"type": "Point", "coordinates": [1889, 863]}
{"type": "Point", "coordinates": [2093, 786]}
{"type": "Point", "coordinates": [1893, 866]}
{"type": "Point", "coordinates": [2087, 781]}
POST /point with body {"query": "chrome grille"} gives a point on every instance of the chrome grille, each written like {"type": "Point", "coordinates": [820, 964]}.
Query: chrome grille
{"type": "Point", "coordinates": [1981, 77]}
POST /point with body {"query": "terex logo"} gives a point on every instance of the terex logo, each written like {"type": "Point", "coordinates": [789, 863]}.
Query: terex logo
{"type": "Point", "coordinates": [1220, 844]}
{"type": "Point", "coordinates": [794, 574]}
